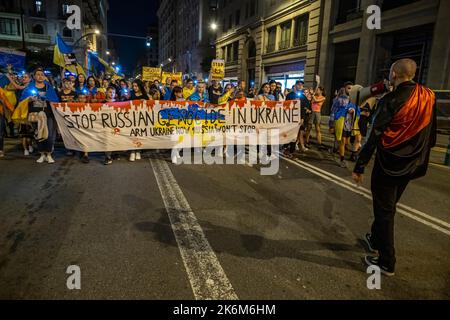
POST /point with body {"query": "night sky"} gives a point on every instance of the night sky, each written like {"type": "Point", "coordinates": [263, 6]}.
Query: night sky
{"type": "Point", "coordinates": [131, 18]}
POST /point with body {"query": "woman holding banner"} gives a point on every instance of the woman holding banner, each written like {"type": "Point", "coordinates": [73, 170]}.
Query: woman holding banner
{"type": "Point", "coordinates": [138, 93]}
{"type": "Point", "coordinates": [264, 93]}
{"type": "Point", "coordinates": [80, 84]}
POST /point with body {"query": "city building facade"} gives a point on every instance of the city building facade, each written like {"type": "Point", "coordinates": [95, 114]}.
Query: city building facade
{"type": "Point", "coordinates": [185, 38]}
{"type": "Point", "coordinates": [265, 40]}
{"type": "Point", "coordinates": [416, 29]}
{"type": "Point", "coordinates": [32, 25]}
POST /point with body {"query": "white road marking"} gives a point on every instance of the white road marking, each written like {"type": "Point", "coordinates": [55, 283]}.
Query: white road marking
{"type": "Point", "coordinates": [206, 275]}
{"type": "Point", "coordinates": [351, 184]}
{"type": "Point", "coordinates": [367, 194]}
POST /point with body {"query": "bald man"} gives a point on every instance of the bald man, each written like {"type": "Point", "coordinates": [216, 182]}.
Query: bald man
{"type": "Point", "coordinates": [403, 133]}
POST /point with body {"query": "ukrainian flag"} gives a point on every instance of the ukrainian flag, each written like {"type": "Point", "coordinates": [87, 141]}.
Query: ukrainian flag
{"type": "Point", "coordinates": [98, 65]}
{"type": "Point", "coordinates": [64, 57]}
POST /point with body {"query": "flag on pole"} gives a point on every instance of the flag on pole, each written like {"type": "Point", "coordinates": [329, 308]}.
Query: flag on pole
{"type": "Point", "coordinates": [98, 65]}
{"type": "Point", "coordinates": [64, 57]}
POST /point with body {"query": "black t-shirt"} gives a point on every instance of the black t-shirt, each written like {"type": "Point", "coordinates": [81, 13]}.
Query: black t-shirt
{"type": "Point", "coordinates": [67, 97]}
{"type": "Point", "coordinates": [40, 105]}
{"type": "Point", "coordinates": [139, 97]}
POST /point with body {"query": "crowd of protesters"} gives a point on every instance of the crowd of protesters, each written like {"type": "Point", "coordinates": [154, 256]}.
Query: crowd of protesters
{"type": "Point", "coordinates": [348, 123]}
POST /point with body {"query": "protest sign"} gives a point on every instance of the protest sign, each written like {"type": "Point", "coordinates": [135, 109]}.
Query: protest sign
{"type": "Point", "coordinates": [151, 74]}
{"type": "Point", "coordinates": [135, 125]}
{"type": "Point", "coordinates": [217, 70]}
{"type": "Point", "coordinates": [174, 76]}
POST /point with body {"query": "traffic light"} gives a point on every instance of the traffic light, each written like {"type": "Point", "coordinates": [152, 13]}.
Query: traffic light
{"type": "Point", "coordinates": [148, 42]}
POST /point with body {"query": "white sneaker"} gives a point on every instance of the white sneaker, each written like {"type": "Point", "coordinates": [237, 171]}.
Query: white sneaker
{"type": "Point", "coordinates": [133, 157]}
{"type": "Point", "coordinates": [50, 160]}
{"type": "Point", "coordinates": [42, 158]}
{"type": "Point", "coordinates": [138, 156]}
{"type": "Point", "coordinates": [30, 149]}
{"type": "Point", "coordinates": [26, 153]}
{"type": "Point", "coordinates": [175, 159]}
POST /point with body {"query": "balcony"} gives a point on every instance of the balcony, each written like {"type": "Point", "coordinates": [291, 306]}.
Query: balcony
{"type": "Point", "coordinates": [38, 38]}
{"type": "Point", "coordinates": [67, 39]}
{"type": "Point", "coordinates": [270, 47]}
{"type": "Point", "coordinates": [37, 14]}
{"type": "Point", "coordinates": [283, 45]}
{"type": "Point", "coordinates": [299, 42]}
{"type": "Point", "coordinates": [10, 27]}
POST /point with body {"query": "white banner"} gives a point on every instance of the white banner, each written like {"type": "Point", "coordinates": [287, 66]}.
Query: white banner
{"type": "Point", "coordinates": [139, 125]}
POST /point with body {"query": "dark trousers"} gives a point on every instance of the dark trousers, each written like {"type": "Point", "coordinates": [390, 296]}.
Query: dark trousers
{"type": "Point", "coordinates": [386, 192]}
{"type": "Point", "coordinates": [48, 145]}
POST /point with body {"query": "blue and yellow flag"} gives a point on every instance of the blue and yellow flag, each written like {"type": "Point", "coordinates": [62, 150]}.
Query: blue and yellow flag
{"type": "Point", "coordinates": [64, 57]}
{"type": "Point", "coordinates": [98, 65]}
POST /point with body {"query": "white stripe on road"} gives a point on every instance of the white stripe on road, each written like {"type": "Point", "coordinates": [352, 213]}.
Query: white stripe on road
{"type": "Point", "coordinates": [351, 184]}
{"type": "Point", "coordinates": [206, 275]}
{"type": "Point", "coordinates": [364, 192]}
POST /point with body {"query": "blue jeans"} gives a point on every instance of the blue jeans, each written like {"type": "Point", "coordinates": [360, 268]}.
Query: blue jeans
{"type": "Point", "coordinates": [48, 145]}
{"type": "Point", "coordinates": [2, 130]}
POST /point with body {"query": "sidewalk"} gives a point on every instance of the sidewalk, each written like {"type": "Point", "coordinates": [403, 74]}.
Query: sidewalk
{"type": "Point", "coordinates": [438, 153]}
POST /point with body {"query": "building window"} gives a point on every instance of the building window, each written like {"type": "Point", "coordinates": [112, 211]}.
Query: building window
{"type": "Point", "coordinates": [236, 51]}
{"type": "Point", "coordinates": [229, 52]}
{"type": "Point", "coordinates": [272, 36]}
{"type": "Point", "coordinates": [392, 4]}
{"type": "Point", "coordinates": [348, 10]}
{"type": "Point", "coordinates": [301, 30]}
{"type": "Point", "coordinates": [39, 6]}
{"type": "Point", "coordinates": [285, 36]}
{"type": "Point", "coordinates": [38, 29]}
{"type": "Point", "coordinates": [9, 26]}
{"type": "Point", "coordinates": [65, 10]}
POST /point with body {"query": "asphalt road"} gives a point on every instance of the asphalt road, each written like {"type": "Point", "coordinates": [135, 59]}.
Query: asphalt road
{"type": "Point", "coordinates": [154, 230]}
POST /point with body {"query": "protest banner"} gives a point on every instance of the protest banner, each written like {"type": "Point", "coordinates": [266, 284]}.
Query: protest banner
{"type": "Point", "coordinates": [135, 125]}
{"type": "Point", "coordinates": [174, 76]}
{"type": "Point", "coordinates": [151, 74]}
{"type": "Point", "coordinates": [217, 70]}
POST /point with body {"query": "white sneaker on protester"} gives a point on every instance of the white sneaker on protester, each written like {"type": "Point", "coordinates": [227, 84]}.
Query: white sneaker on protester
{"type": "Point", "coordinates": [30, 149]}
{"type": "Point", "coordinates": [42, 158]}
{"type": "Point", "coordinates": [133, 157]}
{"type": "Point", "coordinates": [26, 153]}
{"type": "Point", "coordinates": [138, 156]}
{"type": "Point", "coordinates": [50, 160]}
{"type": "Point", "coordinates": [175, 159]}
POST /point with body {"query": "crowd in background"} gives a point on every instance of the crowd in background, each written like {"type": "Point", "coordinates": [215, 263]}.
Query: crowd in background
{"type": "Point", "coordinates": [36, 91]}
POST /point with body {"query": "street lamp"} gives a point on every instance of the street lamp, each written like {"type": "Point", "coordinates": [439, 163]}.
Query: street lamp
{"type": "Point", "coordinates": [213, 26]}
{"type": "Point", "coordinates": [113, 63]}
{"type": "Point", "coordinates": [108, 53]}
{"type": "Point", "coordinates": [96, 32]}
